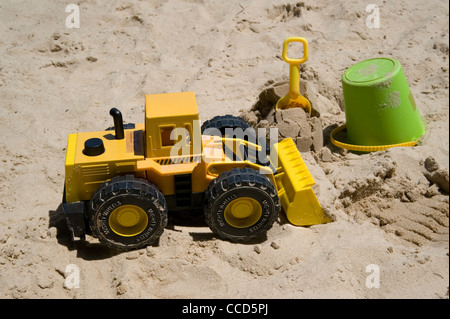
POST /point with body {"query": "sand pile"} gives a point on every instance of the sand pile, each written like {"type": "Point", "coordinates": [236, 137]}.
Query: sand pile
{"type": "Point", "coordinates": [293, 123]}
{"type": "Point", "coordinates": [392, 190]}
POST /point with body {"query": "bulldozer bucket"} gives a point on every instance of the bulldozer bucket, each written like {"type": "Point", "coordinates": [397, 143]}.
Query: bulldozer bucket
{"type": "Point", "coordinates": [294, 184]}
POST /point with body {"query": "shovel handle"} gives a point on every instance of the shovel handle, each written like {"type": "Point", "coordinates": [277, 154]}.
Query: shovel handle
{"type": "Point", "coordinates": [285, 49]}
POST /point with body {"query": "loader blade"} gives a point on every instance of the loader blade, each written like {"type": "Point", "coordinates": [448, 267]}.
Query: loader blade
{"type": "Point", "coordinates": [294, 184]}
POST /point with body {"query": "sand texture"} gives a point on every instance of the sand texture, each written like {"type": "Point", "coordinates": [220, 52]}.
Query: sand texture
{"type": "Point", "coordinates": [390, 208]}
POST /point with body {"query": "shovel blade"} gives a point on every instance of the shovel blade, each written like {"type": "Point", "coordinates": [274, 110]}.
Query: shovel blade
{"type": "Point", "coordinates": [288, 102]}
{"type": "Point", "coordinates": [294, 185]}
{"type": "Point", "coordinates": [305, 209]}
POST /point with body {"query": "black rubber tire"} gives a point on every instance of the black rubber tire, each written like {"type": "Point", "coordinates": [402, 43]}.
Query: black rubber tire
{"type": "Point", "coordinates": [127, 190]}
{"type": "Point", "coordinates": [222, 122]}
{"type": "Point", "coordinates": [240, 182]}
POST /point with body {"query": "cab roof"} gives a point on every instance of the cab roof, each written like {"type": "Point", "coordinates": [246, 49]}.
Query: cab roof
{"type": "Point", "coordinates": [170, 104]}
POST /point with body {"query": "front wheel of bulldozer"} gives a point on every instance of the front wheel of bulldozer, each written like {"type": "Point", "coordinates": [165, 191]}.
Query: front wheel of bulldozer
{"type": "Point", "coordinates": [241, 205]}
{"type": "Point", "coordinates": [127, 213]}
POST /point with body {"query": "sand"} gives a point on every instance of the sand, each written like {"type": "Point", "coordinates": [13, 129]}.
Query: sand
{"type": "Point", "coordinates": [390, 208]}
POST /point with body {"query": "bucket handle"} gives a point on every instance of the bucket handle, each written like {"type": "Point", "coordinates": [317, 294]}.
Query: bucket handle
{"type": "Point", "coordinates": [362, 148]}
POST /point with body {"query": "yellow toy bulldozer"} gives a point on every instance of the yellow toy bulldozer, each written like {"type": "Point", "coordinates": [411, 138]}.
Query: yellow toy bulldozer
{"type": "Point", "coordinates": [121, 183]}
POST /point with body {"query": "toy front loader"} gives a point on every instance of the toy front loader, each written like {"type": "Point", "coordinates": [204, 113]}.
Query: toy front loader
{"type": "Point", "coordinates": [120, 187]}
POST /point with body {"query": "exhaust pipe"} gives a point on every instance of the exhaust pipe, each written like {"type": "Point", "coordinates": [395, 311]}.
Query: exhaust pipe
{"type": "Point", "coordinates": [118, 123]}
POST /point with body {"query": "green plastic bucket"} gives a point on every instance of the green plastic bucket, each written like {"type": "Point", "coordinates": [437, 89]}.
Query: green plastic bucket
{"type": "Point", "coordinates": [380, 110]}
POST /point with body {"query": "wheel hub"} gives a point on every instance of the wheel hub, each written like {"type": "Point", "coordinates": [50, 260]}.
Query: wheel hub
{"type": "Point", "coordinates": [128, 220]}
{"type": "Point", "coordinates": [243, 212]}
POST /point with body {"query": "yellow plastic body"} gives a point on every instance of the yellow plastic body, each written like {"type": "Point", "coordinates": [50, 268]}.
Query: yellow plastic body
{"type": "Point", "coordinates": [146, 152]}
{"type": "Point", "coordinates": [163, 113]}
{"type": "Point", "coordinates": [84, 174]}
{"type": "Point", "coordinates": [294, 98]}
{"type": "Point", "coordinates": [294, 183]}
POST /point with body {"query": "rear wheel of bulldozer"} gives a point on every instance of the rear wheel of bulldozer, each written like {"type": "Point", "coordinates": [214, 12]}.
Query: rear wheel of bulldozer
{"type": "Point", "coordinates": [241, 205]}
{"type": "Point", "coordinates": [127, 213]}
{"type": "Point", "coordinates": [221, 123]}
{"type": "Point", "coordinates": [226, 125]}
